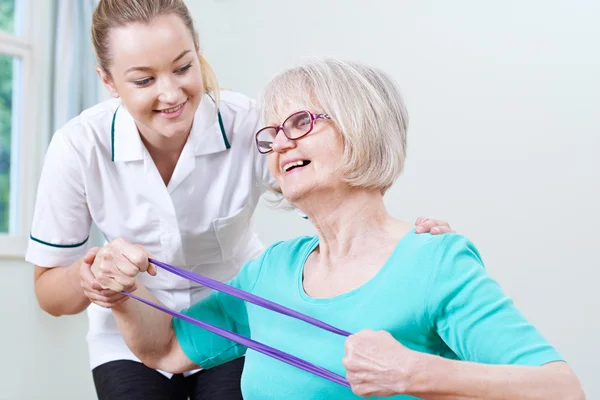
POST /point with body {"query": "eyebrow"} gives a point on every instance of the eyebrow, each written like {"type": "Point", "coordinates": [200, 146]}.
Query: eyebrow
{"type": "Point", "coordinates": [179, 57]}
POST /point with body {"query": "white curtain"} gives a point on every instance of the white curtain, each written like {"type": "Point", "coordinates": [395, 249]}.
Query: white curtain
{"type": "Point", "coordinates": [75, 82]}
{"type": "Point", "coordinates": [75, 85]}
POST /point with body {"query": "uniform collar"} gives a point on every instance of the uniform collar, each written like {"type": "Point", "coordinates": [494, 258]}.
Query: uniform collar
{"type": "Point", "coordinates": [208, 134]}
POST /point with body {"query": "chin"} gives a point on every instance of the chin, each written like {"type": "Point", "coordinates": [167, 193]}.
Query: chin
{"type": "Point", "coordinates": [294, 196]}
{"type": "Point", "coordinates": [174, 129]}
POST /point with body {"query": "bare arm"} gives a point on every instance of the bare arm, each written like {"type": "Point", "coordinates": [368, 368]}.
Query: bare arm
{"type": "Point", "coordinates": [378, 365]}
{"type": "Point", "coordinates": [149, 334]}
{"type": "Point", "coordinates": [439, 379]}
{"type": "Point", "coordinates": [58, 290]}
{"type": "Point", "coordinates": [68, 290]}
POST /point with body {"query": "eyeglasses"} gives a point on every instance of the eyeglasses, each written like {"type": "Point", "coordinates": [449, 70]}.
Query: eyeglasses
{"type": "Point", "coordinates": [296, 126]}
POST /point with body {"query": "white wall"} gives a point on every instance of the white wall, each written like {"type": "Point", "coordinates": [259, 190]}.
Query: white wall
{"type": "Point", "coordinates": [504, 133]}
{"type": "Point", "coordinates": [41, 357]}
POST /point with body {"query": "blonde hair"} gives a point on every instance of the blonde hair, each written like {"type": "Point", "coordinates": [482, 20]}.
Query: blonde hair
{"type": "Point", "coordinates": [110, 14]}
{"type": "Point", "coordinates": [364, 103]}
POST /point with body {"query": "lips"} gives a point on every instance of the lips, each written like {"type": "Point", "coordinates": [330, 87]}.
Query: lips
{"type": "Point", "coordinates": [293, 164]}
{"type": "Point", "coordinates": [172, 112]}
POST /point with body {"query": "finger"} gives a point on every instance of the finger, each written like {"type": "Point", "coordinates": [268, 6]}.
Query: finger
{"type": "Point", "coordinates": [126, 266]}
{"type": "Point", "coordinates": [421, 226]}
{"type": "Point", "coordinates": [136, 254]}
{"type": "Point", "coordinates": [427, 225]}
{"type": "Point", "coordinates": [110, 294]}
{"type": "Point", "coordinates": [420, 220]}
{"type": "Point", "coordinates": [440, 230]}
{"type": "Point", "coordinates": [124, 283]}
{"type": "Point", "coordinates": [106, 295]}
{"type": "Point", "coordinates": [152, 269]}
{"type": "Point", "coordinates": [93, 296]}
{"type": "Point", "coordinates": [91, 255]}
{"type": "Point", "coordinates": [113, 284]}
{"type": "Point", "coordinates": [87, 278]}
{"type": "Point", "coordinates": [110, 304]}
{"type": "Point", "coordinates": [349, 364]}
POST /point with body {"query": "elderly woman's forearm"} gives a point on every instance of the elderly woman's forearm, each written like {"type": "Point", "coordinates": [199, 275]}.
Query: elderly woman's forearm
{"type": "Point", "coordinates": [147, 332]}
{"type": "Point", "coordinates": [439, 378]}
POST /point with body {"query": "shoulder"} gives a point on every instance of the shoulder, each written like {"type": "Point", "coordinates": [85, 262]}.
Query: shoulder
{"type": "Point", "coordinates": [240, 110]}
{"type": "Point", "coordinates": [236, 101]}
{"type": "Point", "coordinates": [452, 262]}
{"type": "Point", "coordinates": [454, 248]}
{"type": "Point", "coordinates": [89, 129]}
{"type": "Point", "coordinates": [441, 248]}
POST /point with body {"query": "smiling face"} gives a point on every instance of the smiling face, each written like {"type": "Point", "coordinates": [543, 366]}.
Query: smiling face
{"type": "Point", "coordinates": [155, 70]}
{"type": "Point", "coordinates": [309, 165]}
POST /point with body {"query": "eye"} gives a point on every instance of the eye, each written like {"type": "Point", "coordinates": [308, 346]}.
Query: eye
{"type": "Point", "coordinates": [301, 121]}
{"type": "Point", "coordinates": [185, 68]}
{"type": "Point", "coordinates": [143, 82]}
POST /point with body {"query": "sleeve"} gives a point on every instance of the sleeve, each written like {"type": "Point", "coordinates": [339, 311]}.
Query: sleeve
{"type": "Point", "coordinates": [473, 316]}
{"type": "Point", "coordinates": [208, 349]}
{"type": "Point", "coordinates": [61, 220]}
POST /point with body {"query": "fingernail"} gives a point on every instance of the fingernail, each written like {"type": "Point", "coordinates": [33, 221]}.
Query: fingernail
{"type": "Point", "coordinates": [419, 229]}
{"type": "Point", "coordinates": [435, 230]}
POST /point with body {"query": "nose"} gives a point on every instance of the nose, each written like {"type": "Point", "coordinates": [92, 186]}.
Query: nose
{"type": "Point", "coordinates": [281, 143]}
{"type": "Point", "coordinates": [168, 91]}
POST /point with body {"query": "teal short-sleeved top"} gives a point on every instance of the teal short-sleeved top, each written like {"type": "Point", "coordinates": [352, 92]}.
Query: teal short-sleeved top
{"type": "Point", "coordinates": [433, 295]}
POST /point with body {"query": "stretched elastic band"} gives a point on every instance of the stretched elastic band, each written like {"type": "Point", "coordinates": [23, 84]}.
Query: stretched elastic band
{"type": "Point", "coordinates": [240, 294]}
{"type": "Point", "coordinates": [244, 341]}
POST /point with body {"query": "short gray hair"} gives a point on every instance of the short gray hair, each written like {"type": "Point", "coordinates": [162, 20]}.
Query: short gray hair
{"type": "Point", "coordinates": [366, 105]}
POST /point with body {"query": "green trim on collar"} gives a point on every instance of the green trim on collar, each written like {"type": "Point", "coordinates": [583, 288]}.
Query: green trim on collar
{"type": "Point", "coordinates": [60, 246]}
{"type": "Point", "coordinates": [112, 136]}
{"type": "Point", "coordinates": [227, 145]}
{"type": "Point", "coordinates": [221, 126]}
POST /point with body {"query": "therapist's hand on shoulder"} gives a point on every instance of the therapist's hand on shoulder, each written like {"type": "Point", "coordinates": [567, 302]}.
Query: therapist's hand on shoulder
{"type": "Point", "coordinates": [433, 226]}
{"type": "Point", "coordinates": [112, 269]}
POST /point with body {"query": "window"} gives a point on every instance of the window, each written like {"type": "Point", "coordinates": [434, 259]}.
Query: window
{"type": "Point", "coordinates": [24, 129]}
{"type": "Point", "coordinates": [10, 22]}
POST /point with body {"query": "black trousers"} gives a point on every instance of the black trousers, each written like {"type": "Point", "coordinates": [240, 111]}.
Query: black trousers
{"type": "Point", "coordinates": [130, 380]}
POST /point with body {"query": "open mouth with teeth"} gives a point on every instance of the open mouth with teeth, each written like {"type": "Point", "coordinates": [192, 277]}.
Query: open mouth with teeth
{"type": "Point", "coordinates": [295, 165]}
{"type": "Point", "coordinates": [171, 110]}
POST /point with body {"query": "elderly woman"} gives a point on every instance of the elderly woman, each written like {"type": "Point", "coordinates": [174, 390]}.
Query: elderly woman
{"type": "Point", "coordinates": [429, 321]}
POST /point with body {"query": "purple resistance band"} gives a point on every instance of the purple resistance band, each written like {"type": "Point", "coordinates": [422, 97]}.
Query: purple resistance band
{"type": "Point", "coordinates": [249, 343]}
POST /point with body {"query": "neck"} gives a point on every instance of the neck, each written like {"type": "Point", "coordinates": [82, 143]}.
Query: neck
{"type": "Point", "coordinates": [161, 148]}
{"type": "Point", "coordinates": [349, 223]}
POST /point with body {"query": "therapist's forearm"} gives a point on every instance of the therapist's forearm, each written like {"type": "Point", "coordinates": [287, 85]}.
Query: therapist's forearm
{"type": "Point", "coordinates": [147, 331]}
{"type": "Point", "coordinates": [440, 379]}
{"type": "Point", "coordinates": [58, 290]}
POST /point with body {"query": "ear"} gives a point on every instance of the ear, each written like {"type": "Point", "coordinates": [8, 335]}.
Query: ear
{"type": "Point", "coordinates": [108, 82]}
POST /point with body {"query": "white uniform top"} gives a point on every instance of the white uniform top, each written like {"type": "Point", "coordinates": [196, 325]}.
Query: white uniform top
{"type": "Point", "coordinates": [97, 169]}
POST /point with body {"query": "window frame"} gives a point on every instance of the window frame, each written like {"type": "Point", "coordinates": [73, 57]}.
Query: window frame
{"type": "Point", "coordinates": [33, 46]}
